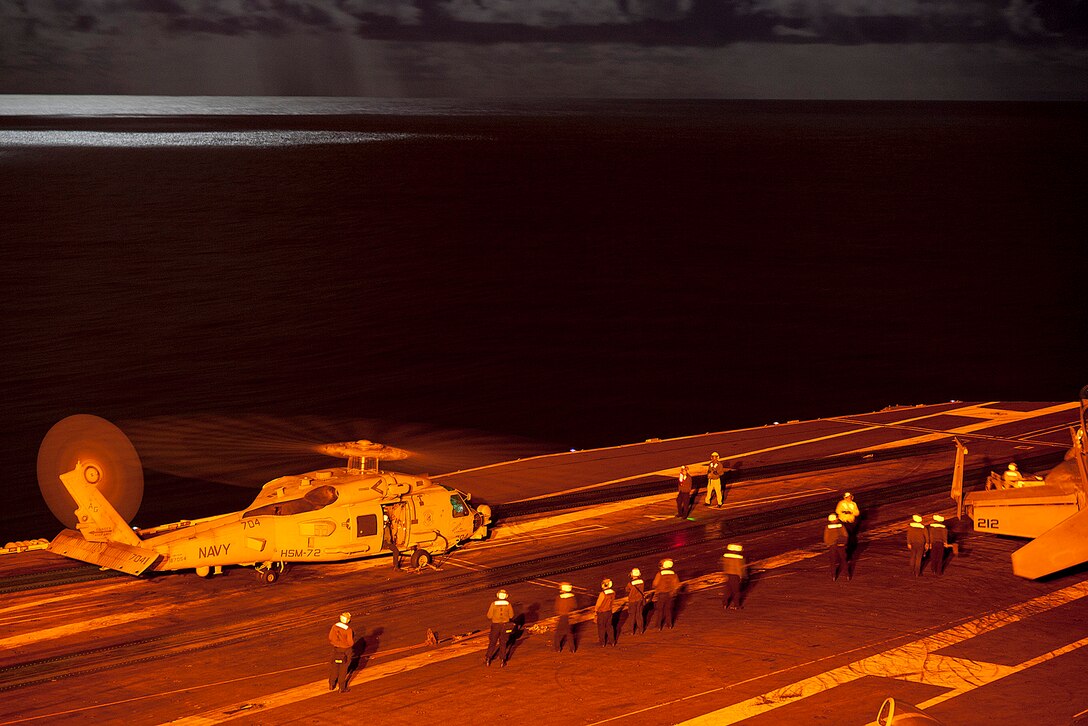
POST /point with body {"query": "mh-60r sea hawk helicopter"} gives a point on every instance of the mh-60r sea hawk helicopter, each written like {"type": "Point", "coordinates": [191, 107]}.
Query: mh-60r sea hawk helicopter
{"type": "Point", "coordinates": [92, 480]}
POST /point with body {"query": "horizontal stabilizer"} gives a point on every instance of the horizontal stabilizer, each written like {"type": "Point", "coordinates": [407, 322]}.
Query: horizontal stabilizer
{"type": "Point", "coordinates": [1062, 546]}
{"type": "Point", "coordinates": [112, 555]}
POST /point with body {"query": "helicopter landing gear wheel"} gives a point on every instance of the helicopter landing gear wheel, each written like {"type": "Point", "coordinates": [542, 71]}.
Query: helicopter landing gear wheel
{"type": "Point", "coordinates": [270, 572]}
{"type": "Point", "coordinates": [421, 558]}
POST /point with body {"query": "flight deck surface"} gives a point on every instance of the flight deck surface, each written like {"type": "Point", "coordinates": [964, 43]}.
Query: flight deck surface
{"type": "Point", "coordinates": [975, 645]}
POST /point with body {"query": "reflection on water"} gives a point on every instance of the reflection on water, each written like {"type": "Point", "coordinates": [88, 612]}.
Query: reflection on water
{"type": "Point", "coordinates": [151, 139]}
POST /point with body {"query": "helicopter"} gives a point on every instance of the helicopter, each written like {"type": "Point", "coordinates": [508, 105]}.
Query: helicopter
{"type": "Point", "coordinates": [92, 480]}
{"type": "Point", "coordinates": [1051, 510]}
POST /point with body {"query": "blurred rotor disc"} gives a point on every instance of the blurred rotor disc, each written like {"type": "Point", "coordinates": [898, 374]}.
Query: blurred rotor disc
{"type": "Point", "coordinates": [363, 448]}
{"type": "Point", "coordinates": [91, 440]}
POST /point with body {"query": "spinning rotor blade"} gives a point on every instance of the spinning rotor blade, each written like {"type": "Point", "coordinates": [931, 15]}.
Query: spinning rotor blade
{"type": "Point", "coordinates": [96, 441]}
{"type": "Point", "coordinates": [363, 448]}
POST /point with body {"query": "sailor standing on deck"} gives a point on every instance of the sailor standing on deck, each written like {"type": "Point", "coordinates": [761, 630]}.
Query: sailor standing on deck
{"type": "Point", "coordinates": [666, 585]}
{"type": "Point", "coordinates": [636, 602]}
{"type": "Point", "coordinates": [342, 640]}
{"type": "Point", "coordinates": [835, 538]}
{"type": "Point", "coordinates": [735, 570]}
{"type": "Point", "coordinates": [714, 471]}
{"type": "Point", "coordinates": [685, 492]}
{"type": "Point", "coordinates": [564, 605]}
{"type": "Point", "coordinates": [602, 610]}
{"type": "Point", "coordinates": [917, 541]}
{"type": "Point", "coordinates": [500, 613]}
{"type": "Point", "coordinates": [847, 511]}
{"type": "Point", "coordinates": [938, 542]}
{"type": "Point", "coordinates": [389, 534]}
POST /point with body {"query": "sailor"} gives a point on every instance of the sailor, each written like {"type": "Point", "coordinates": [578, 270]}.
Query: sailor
{"type": "Point", "coordinates": [390, 536]}
{"type": "Point", "coordinates": [500, 613]}
{"type": "Point", "coordinates": [1012, 477]}
{"type": "Point", "coordinates": [685, 492]}
{"type": "Point", "coordinates": [636, 601]}
{"type": "Point", "coordinates": [735, 570]}
{"type": "Point", "coordinates": [938, 542]}
{"type": "Point", "coordinates": [342, 640]}
{"type": "Point", "coordinates": [714, 471]}
{"type": "Point", "coordinates": [666, 585]}
{"type": "Point", "coordinates": [917, 541]}
{"type": "Point", "coordinates": [847, 511]}
{"type": "Point", "coordinates": [564, 605]}
{"type": "Point", "coordinates": [835, 537]}
{"type": "Point", "coordinates": [602, 611]}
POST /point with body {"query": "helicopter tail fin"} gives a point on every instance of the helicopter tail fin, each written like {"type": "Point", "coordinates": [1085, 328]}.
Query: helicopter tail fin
{"type": "Point", "coordinates": [104, 537]}
{"type": "Point", "coordinates": [96, 518]}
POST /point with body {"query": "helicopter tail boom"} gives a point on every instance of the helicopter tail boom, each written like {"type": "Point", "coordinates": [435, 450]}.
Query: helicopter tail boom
{"type": "Point", "coordinates": [113, 555]}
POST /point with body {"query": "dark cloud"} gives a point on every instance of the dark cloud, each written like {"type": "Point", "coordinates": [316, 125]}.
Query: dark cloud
{"type": "Point", "coordinates": [164, 7]}
{"type": "Point", "coordinates": [712, 48]}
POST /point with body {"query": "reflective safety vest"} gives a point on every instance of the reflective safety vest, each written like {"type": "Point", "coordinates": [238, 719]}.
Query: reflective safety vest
{"type": "Point", "coordinates": [917, 535]}
{"type": "Point", "coordinates": [847, 510]}
{"type": "Point", "coordinates": [834, 534]}
{"type": "Point", "coordinates": [340, 636]}
{"type": "Point", "coordinates": [733, 563]}
{"type": "Point", "coordinates": [564, 604]}
{"type": "Point", "coordinates": [500, 611]}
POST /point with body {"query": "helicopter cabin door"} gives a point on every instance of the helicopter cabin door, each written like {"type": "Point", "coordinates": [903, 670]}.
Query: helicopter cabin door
{"type": "Point", "coordinates": [397, 526]}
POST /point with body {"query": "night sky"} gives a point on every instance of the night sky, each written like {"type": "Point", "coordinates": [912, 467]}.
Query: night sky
{"type": "Point", "coordinates": [768, 49]}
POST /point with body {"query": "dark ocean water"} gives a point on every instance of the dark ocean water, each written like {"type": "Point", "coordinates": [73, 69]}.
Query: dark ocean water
{"type": "Point", "coordinates": [577, 274]}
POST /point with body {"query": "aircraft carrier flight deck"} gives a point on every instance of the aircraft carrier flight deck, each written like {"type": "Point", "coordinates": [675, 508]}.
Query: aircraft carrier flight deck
{"type": "Point", "coordinates": [974, 645]}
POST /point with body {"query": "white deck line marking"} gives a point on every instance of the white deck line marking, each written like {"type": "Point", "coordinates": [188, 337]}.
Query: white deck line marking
{"type": "Point", "coordinates": [994, 417]}
{"type": "Point", "coordinates": [675, 471]}
{"type": "Point", "coordinates": [916, 661]}
{"type": "Point", "coordinates": [777, 498]}
{"type": "Point", "coordinates": [527, 529]}
{"type": "Point", "coordinates": [714, 433]}
{"type": "Point", "coordinates": [865, 426]}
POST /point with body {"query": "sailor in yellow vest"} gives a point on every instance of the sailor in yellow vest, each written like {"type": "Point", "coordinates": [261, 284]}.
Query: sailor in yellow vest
{"type": "Point", "coordinates": [714, 471]}
{"type": "Point", "coordinates": [602, 611]}
{"type": "Point", "coordinates": [847, 511]}
{"type": "Point", "coordinates": [342, 640]}
{"type": "Point", "coordinates": [636, 602]}
{"type": "Point", "coordinates": [735, 570]}
{"type": "Point", "coordinates": [500, 613]}
{"type": "Point", "coordinates": [564, 606]}
{"type": "Point", "coordinates": [917, 541]}
{"type": "Point", "coordinates": [1012, 477]}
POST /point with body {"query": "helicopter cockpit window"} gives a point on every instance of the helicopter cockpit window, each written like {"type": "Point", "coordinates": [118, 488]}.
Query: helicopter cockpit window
{"type": "Point", "coordinates": [310, 502]}
{"type": "Point", "coordinates": [322, 496]}
{"type": "Point", "coordinates": [457, 503]}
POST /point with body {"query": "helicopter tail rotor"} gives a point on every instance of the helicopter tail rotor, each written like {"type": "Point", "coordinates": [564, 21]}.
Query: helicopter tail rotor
{"type": "Point", "coordinates": [106, 460]}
